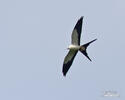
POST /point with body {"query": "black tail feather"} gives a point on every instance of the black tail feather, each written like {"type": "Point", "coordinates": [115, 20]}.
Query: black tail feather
{"type": "Point", "coordinates": [86, 54]}
{"type": "Point", "coordinates": [87, 44]}
{"type": "Point", "coordinates": [84, 47]}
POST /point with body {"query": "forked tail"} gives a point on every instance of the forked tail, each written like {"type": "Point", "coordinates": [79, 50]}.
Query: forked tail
{"type": "Point", "coordinates": [84, 47]}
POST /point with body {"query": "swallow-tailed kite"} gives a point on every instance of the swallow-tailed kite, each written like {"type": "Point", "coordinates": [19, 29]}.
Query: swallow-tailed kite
{"type": "Point", "coordinates": [75, 47]}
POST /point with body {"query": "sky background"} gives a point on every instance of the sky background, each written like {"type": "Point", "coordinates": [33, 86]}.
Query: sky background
{"type": "Point", "coordinates": [34, 35]}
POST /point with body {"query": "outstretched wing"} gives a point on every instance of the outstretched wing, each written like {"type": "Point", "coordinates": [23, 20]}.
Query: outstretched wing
{"type": "Point", "coordinates": [68, 61]}
{"type": "Point", "coordinates": [76, 34]}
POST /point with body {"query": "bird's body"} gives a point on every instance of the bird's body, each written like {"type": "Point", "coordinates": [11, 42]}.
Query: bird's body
{"type": "Point", "coordinates": [75, 47]}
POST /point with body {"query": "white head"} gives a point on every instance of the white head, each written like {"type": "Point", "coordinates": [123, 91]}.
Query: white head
{"type": "Point", "coordinates": [69, 47]}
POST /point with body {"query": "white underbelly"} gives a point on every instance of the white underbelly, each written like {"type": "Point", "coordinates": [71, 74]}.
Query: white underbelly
{"type": "Point", "coordinates": [74, 47]}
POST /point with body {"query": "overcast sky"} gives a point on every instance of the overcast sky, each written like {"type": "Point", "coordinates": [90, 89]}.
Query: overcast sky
{"type": "Point", "coordinates": [34, 35]}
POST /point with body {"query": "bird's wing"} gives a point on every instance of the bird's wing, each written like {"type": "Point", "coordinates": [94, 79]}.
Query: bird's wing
{"type": "Point", "coordinates": [76, 34]}
{"type": "Point", "coordinates": [68, 61]}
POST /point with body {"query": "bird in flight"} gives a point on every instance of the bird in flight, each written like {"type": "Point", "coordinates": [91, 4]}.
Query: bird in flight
{"type": "Point", "coordinates": [75, 47]}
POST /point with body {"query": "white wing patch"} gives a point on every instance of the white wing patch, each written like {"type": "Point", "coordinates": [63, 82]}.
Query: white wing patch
{"type": "Point", "coordinates": [69, 56]}
{"type": "Point", "coordinates": [75, 38]}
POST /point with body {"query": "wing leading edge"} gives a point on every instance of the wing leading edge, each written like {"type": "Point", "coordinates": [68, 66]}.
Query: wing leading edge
{"type": "Point", "coordinates": [76, 34]}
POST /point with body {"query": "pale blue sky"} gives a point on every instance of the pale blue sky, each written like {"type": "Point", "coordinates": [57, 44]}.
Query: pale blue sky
{"type": "Point", "coordinates": [34, 35]}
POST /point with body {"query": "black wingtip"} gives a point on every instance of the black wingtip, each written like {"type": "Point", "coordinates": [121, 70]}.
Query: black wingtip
{"type": "Point", "coordinates": [64, 74]}
{"type": "Point", "coordinates": [65, 69]}
{"type": "Point", "coordinates": [81, 18]}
